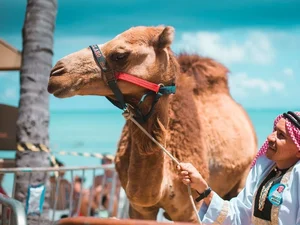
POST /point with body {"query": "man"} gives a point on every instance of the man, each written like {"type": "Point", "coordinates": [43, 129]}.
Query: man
{"type": "Point", "coordinates": [271, 193]}
{"type": "Point", "coordinates": [62, 197]}
{"type": "Point", "coordinates": [105, 190]}
{"type": "Point", "coordinates": [2, 191]}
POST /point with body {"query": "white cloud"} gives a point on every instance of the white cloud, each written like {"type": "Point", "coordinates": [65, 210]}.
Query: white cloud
{"type": "Point", "coordinates": [255, 48]}
{"type": "Point", "coordinates": [288, 72]}
{"type": "Point", "coordinates": [258, 48]}
{"type": "Point", "coordinates": [243, 85]}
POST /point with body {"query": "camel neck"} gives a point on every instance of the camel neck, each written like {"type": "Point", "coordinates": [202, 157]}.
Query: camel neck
{"type": "Point", "coordinates": [146, 158]}
{"type": "Point", "coordinates": [156, 126]}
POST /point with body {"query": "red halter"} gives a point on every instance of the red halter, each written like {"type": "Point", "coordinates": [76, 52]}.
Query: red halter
{"type": "Point", "coordinates": [138, 81]}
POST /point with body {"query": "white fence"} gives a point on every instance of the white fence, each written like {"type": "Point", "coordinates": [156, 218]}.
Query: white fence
{"type": "Point", "coordinates": [68, 198]}
{"type": "Point", "coordinates": [12, 211]}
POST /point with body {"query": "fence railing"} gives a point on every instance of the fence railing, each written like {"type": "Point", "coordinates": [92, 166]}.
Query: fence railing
{"type": "Point", "coordinates": [69, 197]}
{"type": "Point", "coordinates": [12, 211]}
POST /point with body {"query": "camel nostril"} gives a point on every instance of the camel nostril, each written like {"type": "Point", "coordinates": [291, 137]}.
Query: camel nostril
{"type": "Point", "coordinates": [56, 71]}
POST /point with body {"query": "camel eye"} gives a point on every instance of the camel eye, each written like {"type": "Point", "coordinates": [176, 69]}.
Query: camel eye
{"type": "Point", "coordinates": [119, 56]}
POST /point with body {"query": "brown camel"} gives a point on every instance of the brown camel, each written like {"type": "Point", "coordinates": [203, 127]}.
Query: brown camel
{"type": "Point", "coordinates": [200, 124]}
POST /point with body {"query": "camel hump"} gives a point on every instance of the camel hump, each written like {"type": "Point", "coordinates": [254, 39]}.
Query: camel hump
{"type": "Point", "coordinates": [207, 73]}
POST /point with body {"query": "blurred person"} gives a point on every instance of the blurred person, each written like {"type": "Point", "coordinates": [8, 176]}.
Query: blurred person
{"type": "Point", "coordinates": [98, 206]}
{"type": "Point", "coordinates": [105, 190]}
{"type": "Point", "coordinates": [2, 191]}
{"type": "Point", "coordinates": [79, 191]}
{"type": "Point", "coordinates": [64, 190]}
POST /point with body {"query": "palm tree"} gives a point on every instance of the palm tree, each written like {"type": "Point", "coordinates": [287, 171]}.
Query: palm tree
{"type": "Point", "coordinates": [33, 117]}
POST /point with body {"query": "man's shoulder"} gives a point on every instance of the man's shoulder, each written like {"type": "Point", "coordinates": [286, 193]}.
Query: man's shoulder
{"type": "Point", "coordinates": [262, 165]}
{"type": "Point", "coordinates": [296, 168]}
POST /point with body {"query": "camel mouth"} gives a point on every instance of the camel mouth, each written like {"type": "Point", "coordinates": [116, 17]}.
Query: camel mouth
{"type": "Point", "coordinates": [59, 88]}
{"type": "Point", "coordinates": [64, 87]}
{"type": "Point", "coordinates": [63, 93]}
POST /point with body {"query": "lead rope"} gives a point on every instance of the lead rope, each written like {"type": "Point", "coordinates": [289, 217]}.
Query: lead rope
{"type": "Point", "coordinates": [128, 115]}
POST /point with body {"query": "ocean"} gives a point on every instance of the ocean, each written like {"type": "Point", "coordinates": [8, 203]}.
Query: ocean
{"type": "Point", "coordinates": [99, 131]}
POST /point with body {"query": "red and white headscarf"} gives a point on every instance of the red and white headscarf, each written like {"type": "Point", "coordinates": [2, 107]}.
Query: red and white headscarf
{"type": "Point", "coordinates": [292, 130]}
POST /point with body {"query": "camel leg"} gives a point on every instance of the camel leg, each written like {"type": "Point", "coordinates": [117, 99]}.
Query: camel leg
{"type": "Point", "coordinates": [145, 213]}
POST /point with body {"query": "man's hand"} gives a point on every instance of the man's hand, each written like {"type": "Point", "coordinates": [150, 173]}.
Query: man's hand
{"type": "Point", "coordinates": [190, 176]}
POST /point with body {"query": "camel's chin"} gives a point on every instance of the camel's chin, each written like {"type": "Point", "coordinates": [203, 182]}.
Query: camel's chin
{"type": "Point", "coordinates": [60, 92]}
{"type": "Point", "coordinates": [63, 93]}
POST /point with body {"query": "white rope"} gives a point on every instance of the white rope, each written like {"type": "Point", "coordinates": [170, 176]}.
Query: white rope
{"type": "Point", "coordinates": [128, 115]}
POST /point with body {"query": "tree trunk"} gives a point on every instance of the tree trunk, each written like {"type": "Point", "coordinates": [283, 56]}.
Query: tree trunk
{"type": "Point", "coordinates": [33, 118]}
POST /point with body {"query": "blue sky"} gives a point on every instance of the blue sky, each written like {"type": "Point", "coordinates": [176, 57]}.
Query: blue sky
{"type": "Point", "coordinates": [257, 40]}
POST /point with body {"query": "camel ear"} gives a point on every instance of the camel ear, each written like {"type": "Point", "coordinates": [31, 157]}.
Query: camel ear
{"type": "Point", "coordinates": [165, 38]}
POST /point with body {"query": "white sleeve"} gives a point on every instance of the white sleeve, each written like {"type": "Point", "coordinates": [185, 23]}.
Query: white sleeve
{"type": "Point", "coordinates": [298, 217]}
{"type": "Point", "coordinates": [237, 211]}
{"type": "Point", "coordinates": [297, 182]}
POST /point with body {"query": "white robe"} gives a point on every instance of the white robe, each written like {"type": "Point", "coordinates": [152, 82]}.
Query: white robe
{"type": "Point", "coordinates": [239, 210]}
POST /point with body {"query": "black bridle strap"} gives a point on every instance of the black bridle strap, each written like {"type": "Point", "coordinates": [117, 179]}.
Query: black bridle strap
{"type": "Point", "coordinates": [293, 118]}
{"type": "Point", "coordinates": [109, 75]}
{"type": "Point", "coordinates": [99, 57]}
{"type": "Point", "coordinates": [118, 94]}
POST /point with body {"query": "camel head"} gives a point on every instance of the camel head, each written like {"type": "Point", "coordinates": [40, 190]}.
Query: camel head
{"type": "Point", "coordinates": [141, 52]}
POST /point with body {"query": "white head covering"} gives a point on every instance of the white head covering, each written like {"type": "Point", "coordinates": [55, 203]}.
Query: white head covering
{"type": "Point", "coordinates": [292, 130]}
